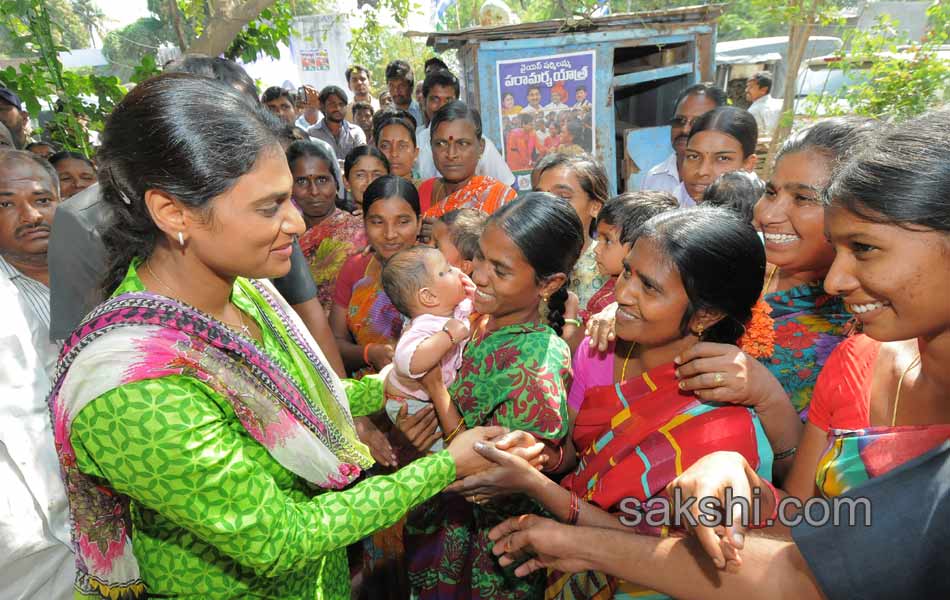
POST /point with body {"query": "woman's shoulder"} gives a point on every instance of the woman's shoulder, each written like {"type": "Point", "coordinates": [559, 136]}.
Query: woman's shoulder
{"type": "Point", "coordinates": [842, 393]}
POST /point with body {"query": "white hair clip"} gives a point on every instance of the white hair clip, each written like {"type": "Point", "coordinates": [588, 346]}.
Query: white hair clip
{"type": "Point", "coordinates": [125, 198]}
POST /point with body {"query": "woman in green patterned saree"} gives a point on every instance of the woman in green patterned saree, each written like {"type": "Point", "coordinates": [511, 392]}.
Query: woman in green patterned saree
{"type": "Point", "coordinates": [204, 441]}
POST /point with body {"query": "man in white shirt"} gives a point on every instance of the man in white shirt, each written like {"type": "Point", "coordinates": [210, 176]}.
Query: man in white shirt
{"type": "Point", "coordinates": [558, 96]}
{"type": "Point", "coordinates": [308, 106]}
{"type": "Point", "coordinates": [692, 102]}
{"type": "Point", "coordinates": [758, 92]}
{"type": "Point", "coordinates": [441, 88]}
{"type": "Point", "coordinates": [534, 101]}
{"type": "Point", "coordinates": [36, 558]}
{"type": "Point", "coordinates": [357, 79]}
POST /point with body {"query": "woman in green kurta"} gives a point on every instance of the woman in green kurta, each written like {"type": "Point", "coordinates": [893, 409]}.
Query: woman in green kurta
{"type": "Point", "coordinates": [203, 438]}
{"type": "Point", "coordinates": [515, 372]}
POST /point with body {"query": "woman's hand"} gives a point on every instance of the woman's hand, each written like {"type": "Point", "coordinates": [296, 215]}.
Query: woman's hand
{"type": "Point", "coordinates": [524, 445]}
{"type": "Point", "coordinates": [421, 430]}
{"type": "Point", "coordinates": [465, 453]}
{"type": "Point", "coordinates": [710, 477]}
{"type": "Point", "coordinates": [510, 474]}
{"type": "Point", "coordinates": [546, 543]}
{"type": "Point", "coordinates": [600, 328]}
{"type": "Point", "coordinates": [425, 233]}
{"type": "Point", "coordinates": [377, 441]}
{"type": "Point", "coordinates": [724, 373]}
{"type": "Point", "coordinates": [379, 356]}
{"type": "Point", "coordinates": [467, 284]}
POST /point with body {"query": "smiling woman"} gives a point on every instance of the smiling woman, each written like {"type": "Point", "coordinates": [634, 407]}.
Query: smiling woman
{"type": "Point", "coordinates": [198, 425]}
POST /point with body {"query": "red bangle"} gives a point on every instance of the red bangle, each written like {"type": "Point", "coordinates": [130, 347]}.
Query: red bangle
{"type": "Point", "coordinates": [560, 461]}
{"type": "Point", "coordinates": [773, 518]}
{"type": "Point", "coordinates": [366, 355]}
{"type": "Point", "coordinates": [574, 510]}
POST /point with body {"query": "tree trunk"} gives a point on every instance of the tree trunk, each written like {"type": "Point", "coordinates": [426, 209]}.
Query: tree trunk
{"type": "Point", "coordinates": [230, 18]}
{"type": "Point", "coordinates": [799, 32]}
{"type": "Point", "coordinates": [176, 22]}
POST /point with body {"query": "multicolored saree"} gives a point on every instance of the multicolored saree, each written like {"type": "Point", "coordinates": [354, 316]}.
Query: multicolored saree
{"type": "Point", "coordinates": [371, 316]}
{"type": "Point", "coordinates": [633, 438]}
{"type": "Point", "coordinates": [304, 422]}
{"type": "Point", "coordinates": [481, 193]}
{"type": "Point", "coordinates": [809, 325]}
{"type": "Point", "coordinates": [854, 456]}
{"type": "Point", "coordinates": [327, 245]}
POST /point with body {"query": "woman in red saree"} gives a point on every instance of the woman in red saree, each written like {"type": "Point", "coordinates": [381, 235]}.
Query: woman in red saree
{"type": "Point", "coordinates": [636, 429]}
{"type": "Point", "coordinates": [457, 145]}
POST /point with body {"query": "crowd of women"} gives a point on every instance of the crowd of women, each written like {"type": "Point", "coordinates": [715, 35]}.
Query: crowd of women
{"type": "Point", "coordinates": [621, 351]}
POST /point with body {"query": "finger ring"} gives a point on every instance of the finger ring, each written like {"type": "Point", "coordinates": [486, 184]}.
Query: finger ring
{"type": "Point", "coordinates": [718, 378]}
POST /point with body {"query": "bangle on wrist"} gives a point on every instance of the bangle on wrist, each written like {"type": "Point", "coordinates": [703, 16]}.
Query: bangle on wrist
{"type": "Point", "coordinates": [366, 355]}
{"type": "Point", "coordinates": [773, 518]}
{"type": "Point", "coordinates": [574, 322]}
{"type": "Point", "coordinates": [445, 328]}
{"type": "Point", "coordinates": [448, 439]}
{"type": "Point", "coordinates": [560, 461]}
{"type": "Point", "coordinates": [573, 510]}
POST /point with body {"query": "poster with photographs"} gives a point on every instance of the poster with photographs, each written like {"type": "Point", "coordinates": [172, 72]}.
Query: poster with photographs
{"type": "Point", "coordinates": [546, 105]}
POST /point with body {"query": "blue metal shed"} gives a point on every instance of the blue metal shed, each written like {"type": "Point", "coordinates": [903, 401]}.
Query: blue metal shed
{"type": "Point", "coordinates": [635, 65]}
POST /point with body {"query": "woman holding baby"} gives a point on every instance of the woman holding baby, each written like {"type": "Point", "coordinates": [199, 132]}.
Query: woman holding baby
{"type": "Point", "coordinates": [515, 371]}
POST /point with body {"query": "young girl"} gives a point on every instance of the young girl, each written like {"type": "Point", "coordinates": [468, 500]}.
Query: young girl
{"type": "Point", "coordinates": [456, 236]}
{"type": "Point", "coordinates": [429, 291]}
{"type": "Point", "coordinates": [363, 166]}
{"type": "Point", "coordinates": [720, 141]}
{"type": "Point", "coordinates": [515, 371]}
{"type": "Point", "coordinates": [617, 225]}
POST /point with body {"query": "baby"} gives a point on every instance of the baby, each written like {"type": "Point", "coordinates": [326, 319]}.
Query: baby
{"type": "Point", "coordinates": [424, 287]}
{"type": "Point", "coordinates": [456, 236]}
{"type": "Point", "coordinates": [617, 225]}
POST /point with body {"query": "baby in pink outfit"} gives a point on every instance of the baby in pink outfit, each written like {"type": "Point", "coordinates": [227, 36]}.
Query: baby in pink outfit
{"type": "Point", "coordinates": [424, 287]}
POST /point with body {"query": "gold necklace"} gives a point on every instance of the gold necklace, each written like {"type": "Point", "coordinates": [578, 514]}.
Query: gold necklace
{"type": "Point", "coordinates": [897, 396]}
{"type": "Point", "coordinates": [623, 370]}
{"type": "Point", "coordinates": [244, 328]}
{"type": "Point", "coordinates": [768, 280]}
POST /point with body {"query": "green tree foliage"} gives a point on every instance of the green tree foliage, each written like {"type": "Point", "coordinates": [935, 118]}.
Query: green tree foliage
{"type": "Point", "coordinates": [79, 101]}
{"type": "Point", "coordinates": [68, 29]}
{"type": "Point", "coordinates": [126, 47]}
{"type": "Point", "coordinates": [895, 77]}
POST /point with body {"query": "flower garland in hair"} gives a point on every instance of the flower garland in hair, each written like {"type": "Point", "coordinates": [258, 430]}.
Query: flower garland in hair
{"type": "Point", "coordinates": [758, 341]}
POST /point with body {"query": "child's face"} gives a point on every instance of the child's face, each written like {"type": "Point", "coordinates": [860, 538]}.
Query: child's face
{"type": "Point", "coordinates": [445, 281]}
{"type": "Point", "coordinates": [609, 250]}
{"type": "Point", "coordinates": [444, 244]}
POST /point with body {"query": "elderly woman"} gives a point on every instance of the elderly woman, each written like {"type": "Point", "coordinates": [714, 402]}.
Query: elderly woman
{"type": "Point", "coordinates": [457, 145]}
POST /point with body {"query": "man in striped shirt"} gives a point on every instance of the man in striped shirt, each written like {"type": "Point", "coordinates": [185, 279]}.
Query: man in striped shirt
{"type": "Point", "coordinates": [36, 559]}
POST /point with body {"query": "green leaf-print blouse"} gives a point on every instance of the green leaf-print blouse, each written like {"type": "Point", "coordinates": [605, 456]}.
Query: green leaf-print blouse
{"type": "Point", "coordinates": [214, 515]}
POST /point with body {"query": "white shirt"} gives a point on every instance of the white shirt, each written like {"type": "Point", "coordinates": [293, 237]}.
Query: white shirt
{"type": "Point", "coordinates": [765, 116]}
{"type": "Point", "coordinates": [491, 163]}
{"type": "Point", "coordinates": [552, 107]}
{"type": "Point", "coordinates": [36, 558]}
{"type": "Point", "coordinates": [683, 197]}
{"type": "Point", "coordinates": [664, 177]}
{"type": "Point", "coordinates": [304, 124]}
{"type": "Point", "coordinates": [531, 110]}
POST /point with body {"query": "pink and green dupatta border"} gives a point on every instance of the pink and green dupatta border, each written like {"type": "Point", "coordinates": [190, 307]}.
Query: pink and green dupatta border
{"type": "Point", "coordinates": [138, 336]}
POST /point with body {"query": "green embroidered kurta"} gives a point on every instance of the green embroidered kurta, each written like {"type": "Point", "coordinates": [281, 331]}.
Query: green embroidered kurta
{"type": "Point", "coordinates": [214, 514]}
